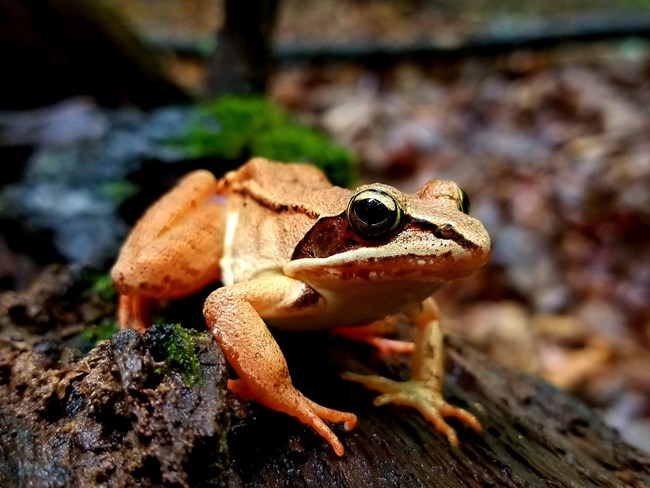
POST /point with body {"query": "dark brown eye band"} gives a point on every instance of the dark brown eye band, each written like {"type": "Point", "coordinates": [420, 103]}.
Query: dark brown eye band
{"type": "Point", "coordinates": [373, 214]}
{"type": "Point", "coordinates": [444, 231]}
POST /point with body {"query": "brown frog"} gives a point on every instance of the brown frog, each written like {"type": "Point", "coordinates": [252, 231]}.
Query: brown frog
{"type": "Point", "coordinates": [296, 253]}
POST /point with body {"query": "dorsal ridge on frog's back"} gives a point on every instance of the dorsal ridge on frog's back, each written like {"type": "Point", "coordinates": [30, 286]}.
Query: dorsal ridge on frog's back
{"type": "Point", "coordinates": [265, 182]}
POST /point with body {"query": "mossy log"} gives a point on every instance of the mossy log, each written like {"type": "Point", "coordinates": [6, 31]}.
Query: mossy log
{"type": "Point", "coordinates": [115, 418]}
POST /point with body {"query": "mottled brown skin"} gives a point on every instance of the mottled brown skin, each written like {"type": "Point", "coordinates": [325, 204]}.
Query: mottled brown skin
{"type": "Point", "coordinates": [280, 239]}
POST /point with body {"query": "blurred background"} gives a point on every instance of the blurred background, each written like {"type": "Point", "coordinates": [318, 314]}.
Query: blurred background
{"type": "Point", "coordinates": [539, 110]}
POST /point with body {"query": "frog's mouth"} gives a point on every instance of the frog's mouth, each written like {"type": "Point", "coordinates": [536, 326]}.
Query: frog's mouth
{"type": "Point", "coordinates": [373, 267]}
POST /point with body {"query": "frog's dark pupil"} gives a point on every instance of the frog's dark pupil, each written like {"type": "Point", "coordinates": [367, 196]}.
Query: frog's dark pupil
{"type": "Point", "coordinates": [371, 211]}
{"type": "Point", "coordinates": [373, 214]}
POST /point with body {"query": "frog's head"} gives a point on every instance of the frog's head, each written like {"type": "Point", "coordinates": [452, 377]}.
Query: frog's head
{"type": "Point", "coordinates": [384, 235]}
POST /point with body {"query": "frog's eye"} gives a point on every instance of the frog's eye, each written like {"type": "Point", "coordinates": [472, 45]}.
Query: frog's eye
{"type": "Point", "coordinates": [373, 214]}
{"type": "Point", "coordinates": [463, 201]}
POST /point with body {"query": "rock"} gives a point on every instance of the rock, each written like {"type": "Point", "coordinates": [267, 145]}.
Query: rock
{"type": "Point", "coordinates": [75, 182]}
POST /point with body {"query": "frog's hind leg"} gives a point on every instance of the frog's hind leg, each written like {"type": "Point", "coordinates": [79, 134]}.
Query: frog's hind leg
{"type": "Point", "coordinates": [172, 251]}
{"type": "Point", "coordinates": [372, 335]}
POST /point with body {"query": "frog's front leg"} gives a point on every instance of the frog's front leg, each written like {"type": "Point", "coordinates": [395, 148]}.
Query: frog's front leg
{"type": "Point", "coordinates": [424, 390]}
{"type": "Point", "coordinates": [234, 315]}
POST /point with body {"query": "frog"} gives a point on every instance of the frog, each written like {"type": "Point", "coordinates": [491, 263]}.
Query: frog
{"type": "Point", "coordinates": [295, 253]}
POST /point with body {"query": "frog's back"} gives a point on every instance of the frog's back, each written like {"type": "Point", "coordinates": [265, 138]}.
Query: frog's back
{"type": "Point", "coordinates": [297, 187]}
{"type": "Point", "coordinates": [270, 208]}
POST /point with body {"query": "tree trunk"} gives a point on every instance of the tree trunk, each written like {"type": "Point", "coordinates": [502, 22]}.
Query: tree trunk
{"type": "Point", "coordinates": [242, 62]}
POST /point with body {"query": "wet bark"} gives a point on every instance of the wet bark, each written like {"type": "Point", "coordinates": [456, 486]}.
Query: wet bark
{"type": "Point", "coordinates": [121, 417]}
{"type": "Point", "coordinates": [118, 417]}
{"type": "Point", "coordinates": [534, 434]}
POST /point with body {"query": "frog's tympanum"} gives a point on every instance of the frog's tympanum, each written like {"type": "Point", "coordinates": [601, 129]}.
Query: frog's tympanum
{"type": "Point", "coordinates": [296, 253]}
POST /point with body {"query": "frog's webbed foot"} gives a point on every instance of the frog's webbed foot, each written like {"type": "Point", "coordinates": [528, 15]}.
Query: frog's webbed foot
{"type": "Point", "coordinates": [427, 399]}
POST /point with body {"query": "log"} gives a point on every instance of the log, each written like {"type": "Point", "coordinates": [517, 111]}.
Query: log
{"type": "Point", "coordinates": [140, 410]}
{"type": "Point", "coordinates": [120, 417]}
{"type": "Point", "coordinates": [522, 34]}
{"type": "Point", "coordinates": [116, 418]}
{"type": "Point", "coordinates": [534, 434]}
{"type": "Point", "coordinates": [489, 40]}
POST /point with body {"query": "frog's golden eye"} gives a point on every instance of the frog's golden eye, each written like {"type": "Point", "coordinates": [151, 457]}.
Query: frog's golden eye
{"type": "Point", "coordinates": [463, 201]}
{"type": "Point", "coordinates": [373, 213]}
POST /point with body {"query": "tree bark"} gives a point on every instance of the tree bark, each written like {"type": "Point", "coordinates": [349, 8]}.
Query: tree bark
{"type": "Point", "coordinates": [119, 417]}
{"type": "Point", "coordinates": [534, 434]}
{"type": "Point", "coordinates": [242, 62]}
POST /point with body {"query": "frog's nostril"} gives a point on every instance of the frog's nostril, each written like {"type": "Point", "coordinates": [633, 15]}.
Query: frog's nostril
{"type": "Point", "coordinates": [445, 231]}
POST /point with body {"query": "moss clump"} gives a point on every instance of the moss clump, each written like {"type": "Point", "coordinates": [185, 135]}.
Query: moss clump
{"type": "Point", "coordinates": [299, 143]}
{"type": "Point", "coordinates": [119, 191]}
{"type": "Point", "coordinates": [226, 126]}
{"type": "Point", "coordinates": [93, 334]}
{"type": "Point", "coordinates": [181, 354]}
{"type": "Point", "coordinates": [101, 284]}
{"type": "Point", "coordinates": [236, 127]}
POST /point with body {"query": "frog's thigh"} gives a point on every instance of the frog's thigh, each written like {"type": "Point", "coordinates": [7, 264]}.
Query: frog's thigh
{"type": "Point", "coordinates": [233, 314]}
{"type": "Point", "coordinates": [174, 249]}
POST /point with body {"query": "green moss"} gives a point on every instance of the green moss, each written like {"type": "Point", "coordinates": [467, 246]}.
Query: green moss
{"type": "Point", "coordinates": [102, 284]}
{"type": "Point", "coordinates": [181, 355]}
{"type": "Point", "coordinates": [236, 127]}
{"type": "Point", "coordinates": [104, 331]}
{"type": "Point", "coordinates": [299, 143]}
{"type": "Point", "coordinates": [226, 126]}
{"type": "Point", "coordinates": [119, 191]}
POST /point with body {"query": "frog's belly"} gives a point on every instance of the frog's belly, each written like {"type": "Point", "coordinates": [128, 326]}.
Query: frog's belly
{"type": "Point", "coordinates": [359, 305]}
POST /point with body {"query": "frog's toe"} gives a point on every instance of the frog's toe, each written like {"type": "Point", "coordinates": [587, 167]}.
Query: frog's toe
{"type": "Point", "coordinates": [297, 405]}
{"type": "Point", "coordinates": [313, 414]}
{"type": "Point", "coordinates": [424, 398]}
{"type": "Point", "coordinates": [373, 382]}
{"type": "Point", "coordinates": [349, 420]}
